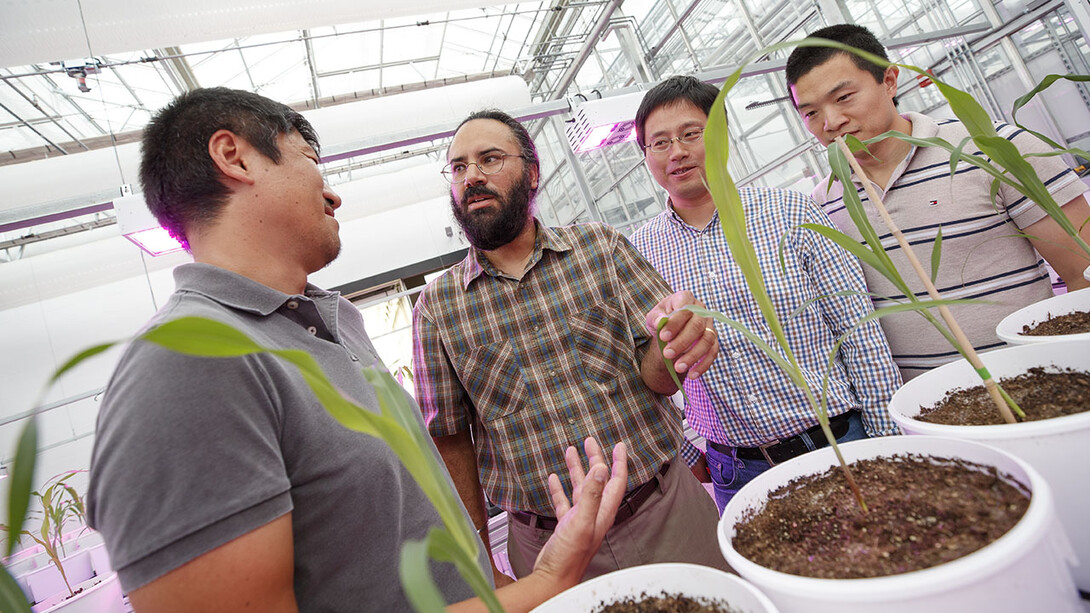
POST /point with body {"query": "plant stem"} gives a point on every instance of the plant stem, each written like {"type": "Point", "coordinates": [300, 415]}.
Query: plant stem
{"type": "Point", "coordinates": [963, 341]}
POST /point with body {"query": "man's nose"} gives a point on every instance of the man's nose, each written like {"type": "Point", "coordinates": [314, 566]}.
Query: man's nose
{"type": "Point", "coordinates": [474, 175]}
{"type": "Point", "coordinates": [834, 120]}
{"type": "Point", "coordinates": [331, 197]}
{"type": "Point", "coordinates": [677, 149]}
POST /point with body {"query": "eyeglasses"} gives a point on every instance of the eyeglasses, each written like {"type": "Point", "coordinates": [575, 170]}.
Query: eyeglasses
{"type": "Point", "coordinates": [662, 144]}
{"type": "Point", "coordinates": [490, 164]}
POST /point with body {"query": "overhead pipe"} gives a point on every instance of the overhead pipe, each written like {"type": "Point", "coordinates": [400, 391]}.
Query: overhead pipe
{"type": "Point", "coordinates": [584, 53]}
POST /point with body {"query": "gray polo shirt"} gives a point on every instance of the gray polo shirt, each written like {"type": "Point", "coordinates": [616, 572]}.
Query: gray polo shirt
{"type": "Point", "coordinates": [191, 453]}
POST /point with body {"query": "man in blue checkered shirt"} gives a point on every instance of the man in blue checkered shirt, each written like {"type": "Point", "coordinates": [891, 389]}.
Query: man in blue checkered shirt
{"type": "Point", "coordinates": [750, 412]}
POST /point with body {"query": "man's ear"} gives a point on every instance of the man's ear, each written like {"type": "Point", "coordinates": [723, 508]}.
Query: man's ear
{"type": "Point", "coordinates": [230, 153]}
{"type": "Point", "coordinates": [535, 173]}
{"type": "Point", "coordinates": [890, 80]}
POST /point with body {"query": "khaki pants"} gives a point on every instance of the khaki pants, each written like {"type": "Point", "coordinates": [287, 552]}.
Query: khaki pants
{"type": "Point", "coordinates": [676, 524]}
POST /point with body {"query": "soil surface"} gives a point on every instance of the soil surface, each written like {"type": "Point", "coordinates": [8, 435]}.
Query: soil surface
{"type": "Point", "coordinates": [1042, 394]}
{"type": "Point", "coordinates": [921, 512]}
{"type": "Point", "coordinates": [666, 603]}
{"type": "Point", "coordinates": [1056, 325]}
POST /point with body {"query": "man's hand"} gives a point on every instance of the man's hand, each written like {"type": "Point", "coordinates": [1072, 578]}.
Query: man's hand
{"type": "Point", "coordinates": [584, 521]}
{"type": "Point", "coordinates": [583, 524]}
{"type": "Point", "coordinates": [691, 342]}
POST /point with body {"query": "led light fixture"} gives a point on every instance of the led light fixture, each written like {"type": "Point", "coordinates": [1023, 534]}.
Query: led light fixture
{"type": "Point", "coordinates": [137, 224]}
{"type": "Point", "coordinates": [603, 122]}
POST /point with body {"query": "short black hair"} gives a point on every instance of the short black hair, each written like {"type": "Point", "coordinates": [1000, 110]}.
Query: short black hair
{"type": "Point", "coordinates": [182, 186]}
{"type": "Point", "coordinates": [672, 90]}
{"type": "Point", "coordinates": [804, 59]}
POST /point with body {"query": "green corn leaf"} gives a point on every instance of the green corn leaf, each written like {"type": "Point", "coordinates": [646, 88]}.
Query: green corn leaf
{"type": "Point", "coordinates": [917, 305]}
{"type": "Point", "coordinates": [993, 194]}
{"type": "Point", "coordinates": [79, 357]}
{"type": "Point", "coordinates": [1040, 87]}
{"type": "Point", "coordinates": [752, 337]}
{"type": "Point", "coordinates": [855, 145]}
{"type": "Point", "coordinates": [966, 108]}
{"type": "Point", "coordinates": [669, 363]}
{"type": "Point", "coordinates": [416, 578]}
{"type": "Point", "coordinates": [11, 597]}
{"type": "Point", "coordinates": [956, 153]}
{"type": "Point", "coordinates": [202, 337]}
{"type": "Point", "coordinates": [1058, 152]}
{"type": "Point", "coordinates": [848, 244]}
{"type": "Point", "coordinates": [732, 219]}
{"type": "Point", "coordinates": [839, 294]}
{"type": "Point", "coordinates": [936, 255]}
{"type": "Point", "coordinates": [22, 475]}
{"type": "Point", "coordinates": [443, 547]}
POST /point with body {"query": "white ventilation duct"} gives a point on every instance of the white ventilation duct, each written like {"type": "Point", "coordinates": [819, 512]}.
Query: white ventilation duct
{"type": "Point", "coordinates": [53, 30]}
{"type": "Point", "coordinates": [69, 181]}
{"type": "Point", "coordinates": [377, 236]}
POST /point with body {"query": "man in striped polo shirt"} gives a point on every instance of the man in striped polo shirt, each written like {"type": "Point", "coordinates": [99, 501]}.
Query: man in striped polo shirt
{"type": "Point", "coordinates": [988, 249]}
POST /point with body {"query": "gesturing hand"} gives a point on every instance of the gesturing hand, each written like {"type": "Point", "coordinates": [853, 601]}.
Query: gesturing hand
{"type": "Point", "coordinates": [584, 521]}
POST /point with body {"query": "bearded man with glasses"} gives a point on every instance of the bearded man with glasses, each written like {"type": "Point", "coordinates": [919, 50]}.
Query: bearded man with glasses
{"type": "Point", "coordinates": [543, 335]}
{"type": "Point", "coordinates": [751, 414]}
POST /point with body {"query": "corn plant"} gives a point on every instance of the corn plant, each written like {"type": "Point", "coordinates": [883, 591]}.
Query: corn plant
{"type": "Point", "coordinates": [396, 424]}
{"type": "Point", "coordinates": [60, 503]}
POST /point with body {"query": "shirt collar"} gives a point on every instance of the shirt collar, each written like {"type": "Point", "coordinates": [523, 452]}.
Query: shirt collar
{"type": "Point", "coordinates": [477, 264]}
{"type": "Point", "coordinates": [674, 217]}
{"type": "Point", "coordinates": [236, 291]}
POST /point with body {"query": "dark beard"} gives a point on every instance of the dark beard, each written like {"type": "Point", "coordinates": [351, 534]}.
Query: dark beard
{"type": "Point", "coordinates": [489, 229]}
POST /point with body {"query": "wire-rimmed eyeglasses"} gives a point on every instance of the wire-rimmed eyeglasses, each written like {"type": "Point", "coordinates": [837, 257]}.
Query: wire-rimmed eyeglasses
{"type": "Point", "coordinates": [662, 144]}
{"type": "Point", "coordinates": [489, 164]}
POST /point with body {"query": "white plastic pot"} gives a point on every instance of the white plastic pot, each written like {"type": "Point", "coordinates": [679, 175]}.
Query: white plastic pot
{"type": "Point", "coordinates": [1010, 328]}
{"type": "Point", "coordinates": [1058, 448]}
{"type": "Point", "coordinates": [1024, 570]}
{"type": "Point", "coordinates": [47, 581]}
{"type": "Point", "coordinates": [691, 580]}
{"type": "Point", "coordinates": [101, 597]}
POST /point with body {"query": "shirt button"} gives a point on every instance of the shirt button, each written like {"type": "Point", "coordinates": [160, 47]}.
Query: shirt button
{"type": "Point", "coordinates": [293, 304]}
{"type": "Point", "coordinates": [571, 420]}
{"type": "Point", "coordinates": [736, 354]}
{"type": "Point", "coordinates": [312, 330]}
{"type": "Point", "coordinates": [552, 373]}
{"type": "Point", "coordinates": [752, 398]}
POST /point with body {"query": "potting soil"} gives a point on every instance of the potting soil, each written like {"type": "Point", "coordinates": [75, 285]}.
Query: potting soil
{"type": "Point", "coordinates": [1042, 394]}
{"type": "Point", "coordinates": [922, 512]}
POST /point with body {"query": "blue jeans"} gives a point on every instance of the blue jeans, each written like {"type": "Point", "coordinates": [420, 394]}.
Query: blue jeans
{"type": "Point", "coordinates": [729, 473]}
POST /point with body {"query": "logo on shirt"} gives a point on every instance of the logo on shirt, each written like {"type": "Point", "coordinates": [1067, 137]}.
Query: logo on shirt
{"type": "Point", "coordinates": [933, 203]}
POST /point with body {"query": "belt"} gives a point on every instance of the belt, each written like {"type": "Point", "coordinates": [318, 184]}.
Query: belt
{"type": "Point", "coordinates": [631, 503]}
{"type": "Point", "coordinates": [782, 450]}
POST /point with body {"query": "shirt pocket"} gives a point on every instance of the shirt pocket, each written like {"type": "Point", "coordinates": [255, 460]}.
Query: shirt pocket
{"type": "Point", "coordinates": [491, 376]}
{"type": "Point", "coordinates": [603, 342]}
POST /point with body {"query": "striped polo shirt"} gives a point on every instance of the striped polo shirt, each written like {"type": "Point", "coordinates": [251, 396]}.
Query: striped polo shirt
{"type": "Point", "coordinates": [983, 256]}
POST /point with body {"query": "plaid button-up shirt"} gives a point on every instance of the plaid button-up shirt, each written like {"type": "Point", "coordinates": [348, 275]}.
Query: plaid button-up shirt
{"type": "Point", "coordinates": [744, 399]}
{"type": "Point", "coordinates": [540, 363]}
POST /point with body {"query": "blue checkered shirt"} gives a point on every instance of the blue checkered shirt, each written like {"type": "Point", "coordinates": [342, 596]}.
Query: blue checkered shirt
{"type": "Point", "coordinates": [744, 400]}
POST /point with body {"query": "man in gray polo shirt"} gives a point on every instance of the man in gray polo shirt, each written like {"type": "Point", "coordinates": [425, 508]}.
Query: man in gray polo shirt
{"type": "Point", "coordinates": [221, 483]}
{"type": "Point", "coordinates": [983, 256]}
